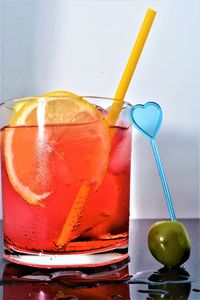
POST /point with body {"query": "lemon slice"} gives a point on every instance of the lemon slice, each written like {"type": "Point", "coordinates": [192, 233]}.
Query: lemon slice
{"type": "Point", "coordinates": [27, 160]}
{"type": "Point", "coordinates": [59, 93]}
{"type": "Point", "coordinates": [19, 105]}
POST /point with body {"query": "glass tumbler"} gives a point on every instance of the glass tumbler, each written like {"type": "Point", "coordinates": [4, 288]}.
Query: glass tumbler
{"type": "Point", "coordinates": [65, 181]}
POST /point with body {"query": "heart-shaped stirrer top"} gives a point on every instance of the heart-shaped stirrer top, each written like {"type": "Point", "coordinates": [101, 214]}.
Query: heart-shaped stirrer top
{"type": "Point", "coordinates": [147, 118]}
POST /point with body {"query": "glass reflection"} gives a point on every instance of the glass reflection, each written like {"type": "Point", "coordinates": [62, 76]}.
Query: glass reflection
{"type": "Point", "coordinates": [20, 282]}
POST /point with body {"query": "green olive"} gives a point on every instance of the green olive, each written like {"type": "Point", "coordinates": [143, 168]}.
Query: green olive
{"type": "Point", "coordinates": [169, 243]}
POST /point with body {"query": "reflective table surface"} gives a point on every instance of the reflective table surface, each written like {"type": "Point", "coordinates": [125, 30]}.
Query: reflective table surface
{"type": "Point", "coordinates": [140, 278]}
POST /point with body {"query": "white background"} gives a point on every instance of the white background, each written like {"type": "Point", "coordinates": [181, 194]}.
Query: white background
{"type": "Point", "coordinates": [82, 46]}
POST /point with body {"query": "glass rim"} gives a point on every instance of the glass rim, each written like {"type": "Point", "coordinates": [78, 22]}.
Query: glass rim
{"type": "Point", "coordinates": [9, 104]}
{"type": "Point", "coordinates": [24, 99]}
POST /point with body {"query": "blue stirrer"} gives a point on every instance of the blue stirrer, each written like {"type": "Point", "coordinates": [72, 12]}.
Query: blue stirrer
{"type": "Point", "coordinates": [147, 120]}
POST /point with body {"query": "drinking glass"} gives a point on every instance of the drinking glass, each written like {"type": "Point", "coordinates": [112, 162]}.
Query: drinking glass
{"type": "Point", "coordinates": [65, 181]}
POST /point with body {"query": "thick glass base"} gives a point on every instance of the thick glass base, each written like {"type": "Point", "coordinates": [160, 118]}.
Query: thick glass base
{"type": "Point", "coordinates": [50, 261]}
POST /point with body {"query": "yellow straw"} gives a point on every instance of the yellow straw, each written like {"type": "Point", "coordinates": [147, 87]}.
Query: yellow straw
{"type": "Point", "coordinates": [84, 191]}
{"type": "Point", "coordinates": [130, 67]}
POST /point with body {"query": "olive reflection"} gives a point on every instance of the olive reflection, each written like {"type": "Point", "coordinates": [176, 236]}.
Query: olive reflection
{"type": "Point", "coordinates": [102, 283]}
{"type": "Point", "coordinates": [177, 288]}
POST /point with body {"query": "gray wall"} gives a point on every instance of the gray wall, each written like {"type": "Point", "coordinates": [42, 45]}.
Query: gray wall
{"type": "Point", "coordinates": [82, 46]}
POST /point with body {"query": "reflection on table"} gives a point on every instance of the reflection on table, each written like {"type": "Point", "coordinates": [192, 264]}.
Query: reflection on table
{"type": "Point", "coordinates": [101, 283]}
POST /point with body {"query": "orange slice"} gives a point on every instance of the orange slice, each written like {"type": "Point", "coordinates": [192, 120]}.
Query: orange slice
{"type": "Point", "coordinates": [28, 144]}
{"type": "Point", "coordinates": [19, 105]}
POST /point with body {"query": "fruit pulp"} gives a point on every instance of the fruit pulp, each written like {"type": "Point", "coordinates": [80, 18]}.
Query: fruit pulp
{"type": "Point", "coordinates": [71, 150]}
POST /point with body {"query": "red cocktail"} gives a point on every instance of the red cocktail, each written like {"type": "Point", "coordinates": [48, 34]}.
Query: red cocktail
{"type": "Point", "coordinates": [65, 182]}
